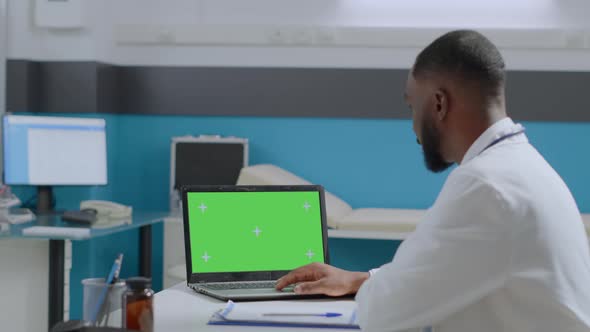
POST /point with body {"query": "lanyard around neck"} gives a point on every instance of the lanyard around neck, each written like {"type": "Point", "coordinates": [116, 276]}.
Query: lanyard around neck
{"type": "Point", "coordinates": [501, 138]}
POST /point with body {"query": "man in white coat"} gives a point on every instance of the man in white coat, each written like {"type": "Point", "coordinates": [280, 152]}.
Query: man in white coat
{"type": "Point", "coordinates": [503, 248]}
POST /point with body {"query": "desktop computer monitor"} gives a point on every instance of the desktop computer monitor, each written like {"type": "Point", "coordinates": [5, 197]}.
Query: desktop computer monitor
{"type": "Point", "coordinates": [45, 151]}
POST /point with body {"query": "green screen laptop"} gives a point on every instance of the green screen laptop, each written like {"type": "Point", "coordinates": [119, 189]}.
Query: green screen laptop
{"type": "Point", "coordinates": [240, 239]}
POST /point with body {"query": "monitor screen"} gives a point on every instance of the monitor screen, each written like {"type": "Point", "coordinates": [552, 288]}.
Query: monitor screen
{"type": "Point", "coordinates": [41, 150]}
{"type": "Point", "coordinates": [254, 231]}
{"type": "Point", "coordinates": [208, 163]}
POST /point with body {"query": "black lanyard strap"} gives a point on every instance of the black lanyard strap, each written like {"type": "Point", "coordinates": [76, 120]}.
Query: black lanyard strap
{"type": "Point", "coordinates": [501, 138]}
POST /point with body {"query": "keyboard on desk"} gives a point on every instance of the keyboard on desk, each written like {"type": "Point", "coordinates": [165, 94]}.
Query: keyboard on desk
{"type": "Point", "coordinates": [244, 290]}
{"type": "Point", "coordinates": [240, 285]}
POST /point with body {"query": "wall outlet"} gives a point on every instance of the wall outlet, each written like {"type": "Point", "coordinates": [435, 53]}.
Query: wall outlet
{"type": "Point", "coordinates": [324, 36]}
{"type": "Point", "coordinates": [300, 36]}
{"type": "Point", "coordinates": [276, 36]}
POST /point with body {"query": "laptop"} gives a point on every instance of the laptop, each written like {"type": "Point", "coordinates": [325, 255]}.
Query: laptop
{"type": "Point", "coordinates": [240, 239]}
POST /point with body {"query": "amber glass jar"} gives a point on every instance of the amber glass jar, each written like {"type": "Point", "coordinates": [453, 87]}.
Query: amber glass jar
{"type": "Point", "coordinates": [138, 305]}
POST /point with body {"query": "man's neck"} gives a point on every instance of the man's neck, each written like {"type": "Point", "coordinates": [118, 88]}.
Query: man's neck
{"type": "Point", "coordinates": [474, 128]}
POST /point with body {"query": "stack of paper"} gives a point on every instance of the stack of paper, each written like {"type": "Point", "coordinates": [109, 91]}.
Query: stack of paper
{"type": "Point", "coordinates": [8, 212]}
{"type": "Point", "coordinates": [335, 314]}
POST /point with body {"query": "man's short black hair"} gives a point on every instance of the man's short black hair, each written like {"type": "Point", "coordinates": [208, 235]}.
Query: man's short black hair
{"type": "Point", "coordinates": [466, 55]}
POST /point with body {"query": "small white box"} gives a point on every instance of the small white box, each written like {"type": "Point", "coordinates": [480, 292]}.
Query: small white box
{"type": "Point", "coordinates": [64, 14]}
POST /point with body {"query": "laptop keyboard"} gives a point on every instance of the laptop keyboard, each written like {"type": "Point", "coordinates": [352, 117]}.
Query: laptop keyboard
{"type": "Point", "coordinates": [240, 285]}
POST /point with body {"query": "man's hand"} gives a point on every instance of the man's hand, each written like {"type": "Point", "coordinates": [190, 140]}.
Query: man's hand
{"type": "Point", "coordinates": [317, 278]}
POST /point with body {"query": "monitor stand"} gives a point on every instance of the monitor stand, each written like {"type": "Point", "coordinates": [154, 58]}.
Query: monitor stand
{"type": "Point", "coordinates": [44, 199]}
{"type": "Point", "coordinates": [56, 260]}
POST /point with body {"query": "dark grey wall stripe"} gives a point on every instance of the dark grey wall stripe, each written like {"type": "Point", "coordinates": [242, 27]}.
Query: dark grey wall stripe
{"type": "Point", "coordinates": [548, 96]}
{"type": "Point", "coordinates": [109, 89]}
{"type": "Point", "coordinates": [262, 91]}
{"type": "Point", "coordinates": [22, 85]}
{"type": "Point", "coordinates": [69, 87]}
{"type": "Point", "coordinates": [282, 92]}
{"type": "Point", "coordinates": [51, 86]}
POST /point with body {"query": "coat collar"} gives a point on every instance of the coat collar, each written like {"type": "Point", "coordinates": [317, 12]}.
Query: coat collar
{"type": "Point", "coordinates": [499, 129]}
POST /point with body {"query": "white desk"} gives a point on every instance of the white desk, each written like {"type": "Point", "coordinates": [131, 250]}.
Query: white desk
{"type": "Point", "coordinates": [180, 309]}
{"type": "Point", "coordinates": [21, 289]}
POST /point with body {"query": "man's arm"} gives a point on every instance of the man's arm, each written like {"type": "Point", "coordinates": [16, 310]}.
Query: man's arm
{"type": "Point", "coordinates": [459, 255]}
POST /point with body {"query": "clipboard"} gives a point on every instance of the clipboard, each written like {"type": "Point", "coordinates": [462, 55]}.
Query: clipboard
{"type": "Point", "coordinates": [255, 314]}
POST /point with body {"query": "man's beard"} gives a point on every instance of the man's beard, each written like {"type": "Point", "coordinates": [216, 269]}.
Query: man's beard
{"type": "Point", "coordinates": [431, 148]}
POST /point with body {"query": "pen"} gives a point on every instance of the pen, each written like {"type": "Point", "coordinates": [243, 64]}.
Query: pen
{"type": "Point", "coordinates": [112, 278]}
{"type": "Point", "coordinates": [118, 263]}
{"type": "Point", "coordinates": [325, 314]}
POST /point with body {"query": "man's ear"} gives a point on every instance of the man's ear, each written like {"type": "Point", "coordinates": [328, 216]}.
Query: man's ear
{"type": "Point", "coordinates": [441, 99]}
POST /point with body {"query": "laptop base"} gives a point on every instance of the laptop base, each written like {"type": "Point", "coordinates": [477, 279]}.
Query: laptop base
{"type": "Point", "coordinates": [256, 294]}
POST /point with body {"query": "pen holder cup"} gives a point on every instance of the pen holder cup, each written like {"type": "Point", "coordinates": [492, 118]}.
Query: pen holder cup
{"type": "Point", "coordinates": [101, 303]}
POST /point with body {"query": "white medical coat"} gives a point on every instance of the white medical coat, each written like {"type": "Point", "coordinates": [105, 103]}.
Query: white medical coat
{"type": "Point", "coordinates": [503, 248]}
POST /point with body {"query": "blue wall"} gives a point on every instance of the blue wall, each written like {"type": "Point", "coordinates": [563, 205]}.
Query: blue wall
{"type": "Point", "coordinates": [368, 163]}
